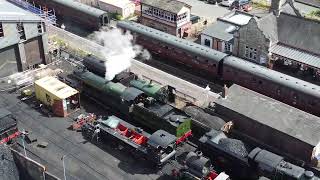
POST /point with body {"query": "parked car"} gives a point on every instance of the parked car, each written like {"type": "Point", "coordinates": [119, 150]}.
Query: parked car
{"type": "Point", "coordinates": [227, 3]}
{"type": "Point", "coordinates": [214, 1]}
{"type": "Point", "coordinates": [244, 5]}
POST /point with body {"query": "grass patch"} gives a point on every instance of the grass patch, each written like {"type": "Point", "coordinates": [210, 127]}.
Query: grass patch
{"type": "Point", "coordinates": [315, 15]}
{"type": "Point", "coordinates": [260, 4]}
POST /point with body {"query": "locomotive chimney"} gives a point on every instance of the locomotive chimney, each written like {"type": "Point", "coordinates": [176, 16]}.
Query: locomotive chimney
{"type": "Point", "coordinates": [225, 91]}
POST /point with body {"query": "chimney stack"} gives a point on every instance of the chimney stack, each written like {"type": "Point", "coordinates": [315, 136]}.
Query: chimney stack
{"type": "Point", "coordinates": [225, 91]}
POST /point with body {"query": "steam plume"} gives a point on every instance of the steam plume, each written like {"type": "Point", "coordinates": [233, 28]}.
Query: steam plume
{"type": "Point", "coordinates": [118, 50]}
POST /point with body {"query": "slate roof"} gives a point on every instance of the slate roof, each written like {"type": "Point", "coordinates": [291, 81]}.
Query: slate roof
{"type": "Point", "coordinates": [272, 113]}
{"type": "Point", "coordinates": [292, 36]}
{"type": "Point", "coordinates": [220, 30]}
{"type": "Point", "coordinates": [299, 32]}
{"type": "Point", "coordinates": [296, 55]}
{"type": "Point", "coordinates": [173, 6]}
{"type": "Point", "coordinates": [10, 12]}
{"type": "Point", "coordinates": [268, 25]}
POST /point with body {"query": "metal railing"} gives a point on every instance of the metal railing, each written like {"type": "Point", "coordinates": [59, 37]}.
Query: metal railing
{"type": "Point", "coordinates": [43, 12]}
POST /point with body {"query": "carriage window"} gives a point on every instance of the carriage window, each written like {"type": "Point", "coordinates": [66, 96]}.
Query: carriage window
{"type": "Point", "coordinates": [1, 30]}
{"type": "Point", "coordinates": [278, 92]}
{"type": "Point", "coordinates": [207, 42]}
{"type": "Point", "coordinates": [260, 82]}
{"type": "Point", "coordinates": [312, 103]}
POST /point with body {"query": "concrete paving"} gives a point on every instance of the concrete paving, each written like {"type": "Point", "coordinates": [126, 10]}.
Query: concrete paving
{"type": "Point", "coordinates": [198, 94]}
{"type": "Point", "coordinates": [203, 9]}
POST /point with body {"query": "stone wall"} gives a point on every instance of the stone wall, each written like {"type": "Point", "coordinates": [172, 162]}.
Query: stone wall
{"type": "Point", "coordinates": [250, 35]}
{"type": "Point", "coordinates": [30, 169]}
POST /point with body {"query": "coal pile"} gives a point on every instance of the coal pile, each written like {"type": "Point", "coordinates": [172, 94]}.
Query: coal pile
{"type": "Point", "coordinates": [199, 115]}
{"type": "Point", "coordinates": [234, 145]}
{"type": "Point", "coordinates": [8, 168]}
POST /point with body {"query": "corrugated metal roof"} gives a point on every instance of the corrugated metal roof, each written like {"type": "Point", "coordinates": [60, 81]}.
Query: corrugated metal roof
{"type": "Point", "coordinates": [81, 7]}
{"type": "Point", "coordinates": [56, 87]}
{"type": "Point", "coordinates": [296, 55]}
{"type": "Point", "coordinates": [196, 49]}
{"type": "Point", "coordinates": [273, 76]}
{"type": "Point", "coordinates": [10, 12]}
{"type": "Point", "coordinates": [220, 30]}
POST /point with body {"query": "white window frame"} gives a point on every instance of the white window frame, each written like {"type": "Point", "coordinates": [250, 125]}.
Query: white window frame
{"type": "Point", "coordinates": [250, 53]}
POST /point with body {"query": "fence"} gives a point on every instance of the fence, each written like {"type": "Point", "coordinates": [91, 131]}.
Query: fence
{"type": "Point", "coordinates": [31, 169]}
{"type": "Point", "coordinates": [46, 14]}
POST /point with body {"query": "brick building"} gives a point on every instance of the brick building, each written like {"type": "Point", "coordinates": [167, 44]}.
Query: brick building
{"type": "Point", "coordinates": [169, 16]}
{"type": "Point", "coordinates": [23, 40]}
{"type": "Point", "coordinates": [282, 38]}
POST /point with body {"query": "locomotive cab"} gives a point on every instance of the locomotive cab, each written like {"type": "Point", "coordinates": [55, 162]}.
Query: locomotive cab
{"type": "Point", "coordinates": [161, 147]}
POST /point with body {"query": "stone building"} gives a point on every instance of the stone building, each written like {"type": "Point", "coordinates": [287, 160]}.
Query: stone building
{"type": "Point", "coordinates": [23, 40]}
{"type": "Point", "coordinates": [282, 38]}
{"type": "Point", "coordinates": [170, 16]}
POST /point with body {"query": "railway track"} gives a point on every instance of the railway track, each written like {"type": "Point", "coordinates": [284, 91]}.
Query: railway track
{"type": "Point", "coordinates": [157, 63]}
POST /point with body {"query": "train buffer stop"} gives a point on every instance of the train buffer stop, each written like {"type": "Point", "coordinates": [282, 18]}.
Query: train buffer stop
{"type": "Point", "coordinates": [60, 98]}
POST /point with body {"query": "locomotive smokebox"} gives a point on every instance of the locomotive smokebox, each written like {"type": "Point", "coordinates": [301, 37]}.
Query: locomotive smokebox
{"type": "Point", "coordinates": [197, 164]}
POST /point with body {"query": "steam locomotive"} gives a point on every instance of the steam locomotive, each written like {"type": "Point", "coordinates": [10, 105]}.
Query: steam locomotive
{"type": "Point", "coordinates": [158, 147]}
{"type": "Point", "coordinates": [243, 162]}
{"type": "Point", "coordinates": [8, 126]}
{"type": "Point", "coordinates": [135, 104]}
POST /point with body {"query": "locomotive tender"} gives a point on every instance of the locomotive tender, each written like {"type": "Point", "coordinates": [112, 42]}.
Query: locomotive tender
{"type": "Point", "coordinates": [218, 65]}
{"type": "Point", "coordinates": [243, 162]}
{"type": "Point", "coordinates": [158, 147]}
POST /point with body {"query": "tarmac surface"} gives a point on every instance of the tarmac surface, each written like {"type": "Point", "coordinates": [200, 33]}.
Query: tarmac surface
{"type": "Point", "coordinates": [83, 159]}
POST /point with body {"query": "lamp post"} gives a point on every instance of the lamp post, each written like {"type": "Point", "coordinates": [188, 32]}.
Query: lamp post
{"type": "Point", "coordinates": [23, 138]}
{"type": "Point", "coordinates": [64, 168]}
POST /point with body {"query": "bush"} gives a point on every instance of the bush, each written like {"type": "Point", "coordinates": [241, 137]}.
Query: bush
{"type": "Point", "coordinates": [118, 17]}
{"type": "Point", "coordinates": [315, 13]}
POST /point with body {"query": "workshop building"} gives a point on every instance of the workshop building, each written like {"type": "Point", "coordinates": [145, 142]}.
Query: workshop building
{"type": "Point", "coordinates": [23, 40]}
{"type": "Point", "coordinates": [62, 98]}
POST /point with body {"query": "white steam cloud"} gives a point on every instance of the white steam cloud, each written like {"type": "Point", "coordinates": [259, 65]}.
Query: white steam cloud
{"type": "Point", "coordinates": [118, 50]}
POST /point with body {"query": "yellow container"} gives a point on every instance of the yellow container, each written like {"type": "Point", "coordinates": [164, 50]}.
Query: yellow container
{"type": "Point", "coordinates": [49, 89]}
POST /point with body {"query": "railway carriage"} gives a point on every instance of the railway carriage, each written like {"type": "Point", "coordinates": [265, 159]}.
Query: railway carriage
{"type": "Point", "coordinates": [180, 51]}
{"type": "Point", "coordinates": [287, 89]}
{"type": "Point", "coordinates": [90, 17]}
